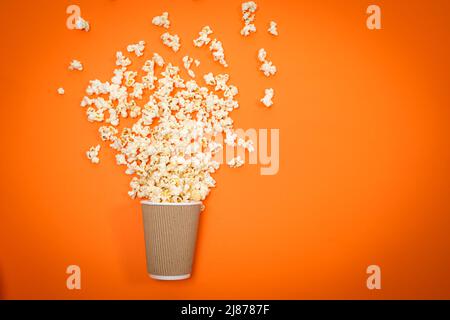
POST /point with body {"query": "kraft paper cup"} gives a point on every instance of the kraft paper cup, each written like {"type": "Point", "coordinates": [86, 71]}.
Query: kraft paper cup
{"type": "Point", "coordinates": [170, 231]}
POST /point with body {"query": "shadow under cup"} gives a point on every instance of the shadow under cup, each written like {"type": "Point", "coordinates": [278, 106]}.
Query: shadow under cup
{"type": "Point", "coordinates": [170, 231]}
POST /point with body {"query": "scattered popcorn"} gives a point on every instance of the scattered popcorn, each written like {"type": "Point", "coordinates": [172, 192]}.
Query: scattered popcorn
{"type": "Point", "coordinates": [236, 162]}
{"type": "Point", "coordinates": [273, 28]}
{"type": "Point", "coordinates": [75, 65]}
{"type": "Point", "coordinates": [162, 20]}
{"type": "Point", "coordinates": [267, 66]}
{"type": "Point", "coordinates": [203, 38]}
{"type": "Point", "coordinates": [137, 48]}
{"type": "Point", "coordinates": [172, 41]}
{"type": "Point", "coordinates": [268, 95]}
{"type": "Point", "coordinates": [248, 15]}
{"type": "Point", "coordinates": [215, 47]}
{"type": "Point", "coordinates": [92, 154]}
{"type": "Point", "coordinates": [61, 91]}
{"type": "Point", "coordinates": [81, 24]}
{"type": "Point", "coordinates": [168, 148]}
{"type": "Point", "coordinates": [187, 62]}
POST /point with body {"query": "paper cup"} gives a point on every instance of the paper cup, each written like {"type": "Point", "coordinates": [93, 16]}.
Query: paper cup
{"type": "Point", "coordinates": [170, 231]}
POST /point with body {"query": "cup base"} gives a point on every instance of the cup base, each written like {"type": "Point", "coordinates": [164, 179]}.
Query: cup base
{"type": "Point", "coordinates": [177, 277]}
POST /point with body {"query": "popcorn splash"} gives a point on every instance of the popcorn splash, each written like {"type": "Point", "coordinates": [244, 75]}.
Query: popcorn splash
{"type": "Point", "coordinates": [169, 147]}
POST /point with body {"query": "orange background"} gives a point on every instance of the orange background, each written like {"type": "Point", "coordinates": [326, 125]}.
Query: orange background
{"type": "Point", "coordinates": [364, 153]}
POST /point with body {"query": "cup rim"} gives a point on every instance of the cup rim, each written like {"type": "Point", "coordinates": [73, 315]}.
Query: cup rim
{"type": "Point", "coordinates": [147, 202]}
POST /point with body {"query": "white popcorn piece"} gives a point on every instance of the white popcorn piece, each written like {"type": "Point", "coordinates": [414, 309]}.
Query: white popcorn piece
{"type": "Point", "coordinates": [273, 28]}
{"type": "Point", "coordinates": [267, 66]}
{"type": "Point", "coordinates": [81, 24]}
{"type": "Point", "coordinates": [92, 154]}
{"type": "Point", "coordinates": [158, 59]}
{"type": "Point", "coordinates": [172, 41]}
{"type": "Point", "coordinates": [236, 162]}
{"type": "Point", "coordinates": [75, 65]}
{"type": "Point", "coordinates": [162, 20]}
{"type": "Point", "coordinates": [246, 144]}
{"type": "Point", "coordinates": [107, 133]}
{"type": "Point", "coordinates": [203, 38]}
{"type": "Point", "coordinates": [247, 29]}
{"type": "Point", "coordinates": [262, 54]}
{"type": "Point", "coordinates": [122, 60]}
{"type": "Point", "coordinates": [217, 51]}
{"type": "Point", "coordinates": [268, 96]}
{"type": "Point", "coordinates": [230, 138]}
{"type": "Point", "coordinates": [60, 91]}
{"type": "Point", "coordinates": [248, 15]}
{"type": "Point", "coordinates": [187, 63]}
{"type": "Point", "coordinates": [137, 48]}
{"type": "Point", "coordinates": [209, 79]}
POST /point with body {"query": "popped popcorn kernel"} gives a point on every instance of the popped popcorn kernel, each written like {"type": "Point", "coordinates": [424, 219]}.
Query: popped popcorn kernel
{"type": "Point", "coordinates": [81, 24]}
{"type": "Point", "coordinates": [162, 20]}
{"type": "Point", "coordinates": [268, 96]}
{"type": "Point", "coordinates": [172, 41]}
{"type": "Point", "coordinates": [187, 63]}
{"type": "Point", "coordinates": [248, 15]}
{"type": "Point", "coordinates": [158, 59]}
{"type": "Point", "coordinates": [137, 48]}
{"type": "Point", "coordinates": [92, 154]}
{"type": "Point", "coordinates": [122, 60]}
{"type": "Point", "coordinates": [60, 91]}
{"type": "Point", "coordinates": [273, 28]}
{"type": "Point", "coordinates": [75, 65]}
{"type": "Point", "coordinates": [236, 162]}
{"type": "Point", "coordinates": [203, 38]}
{"type": "Point", "coordinates": [267, 66]}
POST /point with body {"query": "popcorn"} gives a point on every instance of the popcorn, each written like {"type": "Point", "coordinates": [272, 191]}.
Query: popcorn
{"type": "Point", "coordinates": [273, 28]}
{"type": "Point", "coordinates": [203, 38]}
{"type": "Point", "coordinates": [162, 20]}
{"type": "Point", "coordinates": [267, 66]}
{"type": "Point", "coordinates": [92, 154]}
{"type": "Point", "coordinates": [137, 48]}
{"type": "Point", "coordinates": [107, 133]}
{"type": "Point", "coordinates": [246, 144]}
{"type": "Point", "coordinates": [236, 162]}
{"type": "Point", "coordinates": [187, 62]}
{"type": "Point", "coordinates": [172, 41]}
{"type": "Point", "coordinates": [215, 47]}
{"type": "Point", "coordinates": [60, 91]}
{"type": "Point", "coordinates": [262, 55]}
{"type": "Point", "coordinates": [75, 65]}
{"type": "Point", "coordinates": [248, 15]}
{"type": "Point", "coordinates": [158, 59]}
{"type": "Point", "coordinates": [209, 79]}
{"type": "Point", "coordinates": [81, 24]}
{"type": "Point", "coordinates": [121, 60]}
{"type": "Point", "coordinates": [168, 148]}
{"type": "Point", "coordinates": [268, 95]}
{"type": "Point", "coordinates": [217, 52]}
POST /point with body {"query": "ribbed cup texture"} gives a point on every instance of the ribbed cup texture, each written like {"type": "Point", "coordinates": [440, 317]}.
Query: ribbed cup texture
{"type": "Point", "coordinates": [170, 237]}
